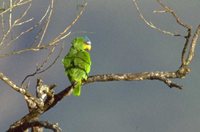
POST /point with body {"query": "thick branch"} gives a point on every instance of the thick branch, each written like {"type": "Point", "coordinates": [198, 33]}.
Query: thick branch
{"type": "Point", "coordinates": [162, 76]}
{"type": "Point", "coordinates": [158, 75]}
{"type": "Point", "coordinates": [129, 76]}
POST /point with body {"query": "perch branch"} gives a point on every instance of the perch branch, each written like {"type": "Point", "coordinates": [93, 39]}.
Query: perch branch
{"type": "Point", "coordinates": [158, 75]}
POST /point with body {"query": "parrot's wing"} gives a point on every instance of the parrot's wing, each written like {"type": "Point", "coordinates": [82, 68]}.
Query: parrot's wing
{"type": "Point", "coordinates": [82, 65]}
{"type": "Point", "coordinates": [84, 56]}
{"type": "Point", "coordinates": [83, 61]}
{"type": "Point", "coordinates": [76, 74]}
{"type": "Point", "coordinates": [67, 61]}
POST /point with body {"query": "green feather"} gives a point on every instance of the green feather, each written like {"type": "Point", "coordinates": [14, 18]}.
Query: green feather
{"type": "Point", "coordinates": [77, 89]}
{"type": "Point", "coordinates": [77, 64]}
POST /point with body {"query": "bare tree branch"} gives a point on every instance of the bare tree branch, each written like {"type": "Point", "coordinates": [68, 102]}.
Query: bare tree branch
{"type": "Point", "coordinates": [150, 24]}
{"type": "Point", "coordinates": [52, 43]}
{"type": "Point", "coordinates": [16, 4]}
{"type": "Point", "coordinates": [22, 91]}
{"type": "Point", "coordinates": [49, 99]}
{"type": "Point", "coordinates": [63, 34]}
{"type": "Point", "coordinates": [193, 46]}
{"type": "Point", "coordinates": [39, 69]}
{"type": "Point", "coordinates": [12, 25]}
{"type": "Point", "coordinates": [47, 24]}
{"type": "Point", "coordinates": [158, 75]}
{"type": "Point", "coordinates": [188, 49]}
{"type": "Point", "coordinates": [171, 11]}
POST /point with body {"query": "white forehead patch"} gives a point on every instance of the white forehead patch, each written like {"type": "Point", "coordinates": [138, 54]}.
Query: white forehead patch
{"type": "Point", "coordinates": [87, 40]}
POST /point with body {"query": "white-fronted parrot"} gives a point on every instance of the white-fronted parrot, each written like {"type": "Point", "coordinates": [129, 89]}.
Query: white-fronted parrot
{"type": "Point", "coordinates": [77, 63]}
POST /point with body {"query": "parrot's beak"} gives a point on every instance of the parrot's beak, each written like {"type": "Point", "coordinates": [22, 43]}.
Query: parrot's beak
{"type": "Point", "coordinates": [87, 46]}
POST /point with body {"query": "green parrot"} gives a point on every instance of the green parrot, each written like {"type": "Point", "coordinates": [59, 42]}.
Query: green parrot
{"type": "Point", "coordinates": [77, 63]}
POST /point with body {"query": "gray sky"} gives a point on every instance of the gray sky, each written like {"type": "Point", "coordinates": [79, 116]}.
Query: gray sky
{"type": "Point", "coordinates": [121, 43]}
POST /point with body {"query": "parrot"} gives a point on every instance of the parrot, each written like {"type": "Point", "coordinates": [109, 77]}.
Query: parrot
{"type": "Point", "coordinates": [77, 62]}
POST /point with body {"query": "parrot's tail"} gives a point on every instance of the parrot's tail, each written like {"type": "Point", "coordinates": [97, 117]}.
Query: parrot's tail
{"type": "Point", "coordinates": [77, 89]}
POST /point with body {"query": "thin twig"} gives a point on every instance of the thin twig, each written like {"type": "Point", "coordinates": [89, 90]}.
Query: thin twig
{"type": "Point", "coordinates": [2, 20]}
{"type": "Point", "coordinates": [39, 69]}
{"type": "Point", "coordinates": [42, 20]}
{"type": "Point", "coordinates": [12, 25]}
{"type": "Point", "coordinates": [42, 28]}
{"type": "Point", "coordinates": [52, 43]}
{"type": "Point", "coordinates": [10, 14]}
{"type": "Point", "coordinates": [178, 20]}
{"type": "Point", "coordinates": [18, 23]}
{"type": "Point", "coordinates": [34, 49]}
{"type": "Point", "coordinates": [14, 39]}
{"type": "Point", "coordinates": [47, 23]}
{"type": "Point", "coordinates": [150, 24]}
{"type": "Point", "coordinates": [63, 34]}
{"type": "Point", "coordinates": [184, 51]}
{"type": "Point", "coordinates": [20, 3]}
{"type": "Point", "coordinates": [24, 22]}
{"type": "Point", "coordinates": [55, 60]}
{"type": "Point", "coordinates": [193, 45]}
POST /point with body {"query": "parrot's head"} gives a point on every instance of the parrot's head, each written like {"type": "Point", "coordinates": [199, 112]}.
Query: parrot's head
{"type": "Point", "coordinates": [82, 43]}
